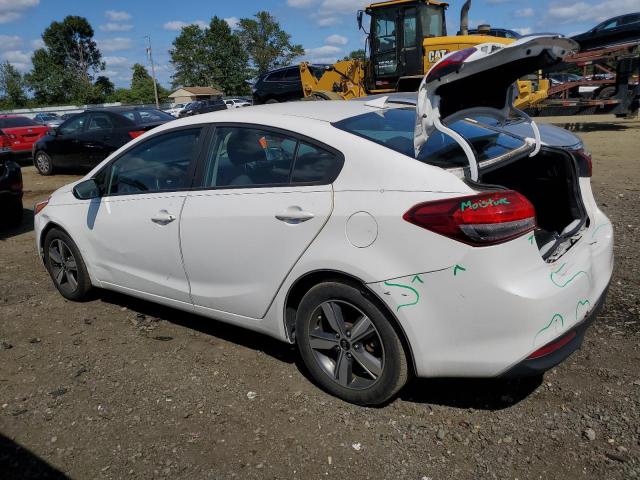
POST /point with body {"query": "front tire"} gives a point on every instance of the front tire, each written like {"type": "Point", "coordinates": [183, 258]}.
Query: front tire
{"type": "Point", "coordinates": [65, 265]}
{"type": "Point", "coordinates": [349, 345]}
{"type": "Point", "coordinates": [43, 163]}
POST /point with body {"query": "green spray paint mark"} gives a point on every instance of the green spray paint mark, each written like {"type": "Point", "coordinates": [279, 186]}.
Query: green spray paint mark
{"type": "Point", "coordinates": [562, 285]}
{"type": "Point", "coordinates": [483, 203]}
{"type": "Point", "coordinates": [531, 237]}
{"type": "Point", "coordinates": [417, 278]}
{"type": "Point", "coordinates": [389, 284]}
{"type": "Point", "coordinates": [553, 320]}
{"type": "Point", "coordinates": [457, 267]}
{"type": "Point", "coordinates": [582, 303]}
{"type": "Point", "coordinates": [593, 234]}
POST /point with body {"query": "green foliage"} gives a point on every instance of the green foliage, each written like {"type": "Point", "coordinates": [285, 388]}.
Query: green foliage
{"type": "Point", "coordinates": [356, 55]}
{"type": "Point", "coordinates": [141, 90]}
{"type": "Point", "coordinates": [63, 70]}
{"type": "Point", "coordinates": [268, 45]}
{"type": "Point", "coordinates": [210, 57]}
{"type": "Point", "coordinates": [12, 88]}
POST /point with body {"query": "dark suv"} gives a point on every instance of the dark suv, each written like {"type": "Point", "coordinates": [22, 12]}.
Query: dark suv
{"type": "Point", "coordinates": [203, 106]}
{"type": "Point", "coordinates": [282, 85]}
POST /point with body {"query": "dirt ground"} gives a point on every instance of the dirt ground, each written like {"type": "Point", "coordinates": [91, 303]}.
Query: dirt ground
{"type": "Point", "coordinates": [116, 387]}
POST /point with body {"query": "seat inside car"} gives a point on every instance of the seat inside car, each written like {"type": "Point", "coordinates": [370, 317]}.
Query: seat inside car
{"type": "Point", "coordinates": [243, 148]}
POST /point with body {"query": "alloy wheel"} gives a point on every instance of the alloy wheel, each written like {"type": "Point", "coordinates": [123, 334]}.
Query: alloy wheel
{"type": "Point", "coordinates": [42, 162]}
{"type": "Point", "coordinates": [64, 267]}
{"type": "Point", "coordinates": [346, 344]}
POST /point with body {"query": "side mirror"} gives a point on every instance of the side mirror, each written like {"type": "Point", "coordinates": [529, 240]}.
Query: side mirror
{"type": "Point", "coordinates": [359, 17]}
{"type": "Point", "coordinates": [86, 190]}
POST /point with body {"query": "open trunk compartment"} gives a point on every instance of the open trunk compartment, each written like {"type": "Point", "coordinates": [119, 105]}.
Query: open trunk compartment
{"type": "Point", "coordinates": [550, 181]}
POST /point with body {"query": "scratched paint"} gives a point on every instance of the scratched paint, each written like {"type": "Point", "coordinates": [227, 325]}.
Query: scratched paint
{"type": "Point", "coordinates": [597, 229]}
{"type": "Point", "coordinates": [555, 325]}
{"type": "Point", "coordinates": [574, 276]}
{"type": "Point", "coordinates": [407, 287]}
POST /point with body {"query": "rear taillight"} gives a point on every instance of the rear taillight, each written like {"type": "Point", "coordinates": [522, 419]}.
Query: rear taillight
{"type": "Point", "coordinates": [39, 206]}
{"type": "Point", "coordinates": [449, 64]}
{"type": "Point", "coordinates": [585, 162]}
{"type": "Point", "coordinates": [136, 133]}
{"type": "Point", "coordinates": [478, 220]}
{"type": "Point", "coordinates": [553, 346]}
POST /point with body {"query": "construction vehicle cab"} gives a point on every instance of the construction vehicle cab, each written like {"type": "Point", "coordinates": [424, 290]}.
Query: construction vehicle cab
{"type": "Point", "coordinates": [407, 37]}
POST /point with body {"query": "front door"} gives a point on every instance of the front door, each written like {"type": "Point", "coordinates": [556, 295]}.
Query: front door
{"type": "Point", "coordinates": [66, 148]}
{"type": "Point", "coordinates": [254, 217]}
{"type": "Point", "coordinates": [134, 226]}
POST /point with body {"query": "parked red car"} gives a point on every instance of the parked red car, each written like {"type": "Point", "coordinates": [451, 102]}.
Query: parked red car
{"type": "Point", "coordinates": [22, 132]}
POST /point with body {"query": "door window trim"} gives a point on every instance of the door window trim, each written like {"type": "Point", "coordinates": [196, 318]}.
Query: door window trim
{"type": "Point", "coordinates": [202, 158]}
{"type": "Point", "coordinates": [194, 161]}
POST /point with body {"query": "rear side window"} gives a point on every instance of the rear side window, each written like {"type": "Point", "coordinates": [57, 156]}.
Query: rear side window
{"type": "Point", "coordinates": [250, 157]}
{"type": "Point", "coordinates": [394, 129]}
{"type": "Point", "coordinates": [17, 122]}
{"type": "Point", "coordinates": [100, 121]}
{"type": "Point", "coordinates": [158, 164]}
{"type": "Point", "coordinates": [292, 75]}
{"type": "Point", "coordinates": [147, 115]}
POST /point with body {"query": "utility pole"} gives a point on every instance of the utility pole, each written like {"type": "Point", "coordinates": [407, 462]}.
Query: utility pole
{"type": "Point", "coordinates": [153, 71]}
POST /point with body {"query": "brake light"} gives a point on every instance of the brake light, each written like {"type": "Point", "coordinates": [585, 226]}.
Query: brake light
{"type": "Point", "coordinates": [553, 346]}
{"type": "Point", "coordinates": [449, 64]}
{"type": "Point", "coordinates": [136, 133]}
{"type": "Point", "coordinates": [585, 162]}
{"type": "Point", "coordinates": [478, 220]}
{"type": "Point", "coordinates": [40, 206]}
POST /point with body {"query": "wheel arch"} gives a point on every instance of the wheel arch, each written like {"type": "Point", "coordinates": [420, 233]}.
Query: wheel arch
{"type": "Point", "coordinates": [43, 234]}
{"type": "Point", "coordinates": [304, 283]}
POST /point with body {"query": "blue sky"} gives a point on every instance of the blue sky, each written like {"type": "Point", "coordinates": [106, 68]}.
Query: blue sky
{"type": "Point", "coordinates": [326, 28]}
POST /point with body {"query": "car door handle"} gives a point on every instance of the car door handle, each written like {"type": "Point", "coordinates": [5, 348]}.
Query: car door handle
{"type": "Point", "coordinates": [163, 217]}
{"type": "Point", "coordinates": [294, 215]}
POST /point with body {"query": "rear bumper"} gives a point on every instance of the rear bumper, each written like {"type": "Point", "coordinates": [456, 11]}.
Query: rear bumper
{"type": "Point", "coordinates": [537, 366]}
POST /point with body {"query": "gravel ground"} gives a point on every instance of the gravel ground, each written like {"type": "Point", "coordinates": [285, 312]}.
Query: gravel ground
{"type": "Point", "coordinates": [116, 387]}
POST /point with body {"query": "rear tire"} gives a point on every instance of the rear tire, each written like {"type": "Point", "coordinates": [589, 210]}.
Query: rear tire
{"type": "Point", "coordinates": [43, 163]}
{"type": "Point", "coordinates": [606, 93]}
{"type": "Point", "coordinates": [349, 345]}
{"type": "Point", "coordinates": [14, 213]}
{"type": "Point", "coordinates": [65, 265]}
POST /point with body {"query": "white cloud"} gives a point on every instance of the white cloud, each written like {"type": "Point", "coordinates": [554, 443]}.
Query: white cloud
{"type": "Point", "coordinates": [323, 54]}
{"type": "Point", "coordinates": [18, 58]}
{"type": "Point", "coordinates": [11, 10]}
{"type": "Point", "coordinates": [524, 12]}
{"type": "Point", "coordinates": [524, 31]}
{"type": "Point", "coordinates": [175, 25]}
{"type": "Point", "coordinates": [327, 21]}
{"type": "Point", "coordinates": [336, 39]}
{"type": "Point", "coordinates": [232, 22]}
{"type": "Point", "coordinates": [10, 42]}
{"type": "Point", "coordinates": [115, 44]}
{"type": "Point", "coordinates": [116, 61]}
{"type": "Point", "coordinates": [116, 27]}
{"type": "Point", "coordinates": [564, 12]}
{"type": "Point", "coordinates": [342, 6]}
{"type": "Point", "coordinates": [300, 3]}
{"type": "Point", "coordinates": [117, 15]}
{"type": "Point", "coordinates": [37, 43]}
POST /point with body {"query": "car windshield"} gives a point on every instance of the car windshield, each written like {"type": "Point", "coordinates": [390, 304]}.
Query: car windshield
{"type": "Point", "coordinates": [393, 128]}
{"type": "Point", "coordinates": [147, 115]}
{"type": "Point", "coordinates": [13, 122]}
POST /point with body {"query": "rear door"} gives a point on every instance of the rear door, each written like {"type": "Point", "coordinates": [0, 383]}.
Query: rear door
{"type": "Point", "coordinates": [264, 195]}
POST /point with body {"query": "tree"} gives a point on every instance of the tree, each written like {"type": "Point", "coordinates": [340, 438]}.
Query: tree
{"type": "Point", "coordinates": [63, 69]}
{"type": "Point", "coordinates": [141, 90]}
{"type": "Point", "coordinates": [104, 87]}
{"type": "Point", "coordinates": [268, 45]}
{"type": "Point", "coordinates": [210, 57]}
{"type": "Point", "coordinates": [356, 55]}
{"type": "Point", "coordinates": [12, 88]}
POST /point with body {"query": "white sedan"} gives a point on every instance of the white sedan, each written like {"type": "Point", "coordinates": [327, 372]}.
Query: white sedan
{"type": "Point", "coordinates": [175, 109]}
{"type": "Point", "coordinates": [380, 238]}
{"type": "Point", "coordinates": [236, 103]}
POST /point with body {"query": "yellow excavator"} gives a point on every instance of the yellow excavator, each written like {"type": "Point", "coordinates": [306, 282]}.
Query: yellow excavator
{"type": "Point", "coordinates": [406, 38]}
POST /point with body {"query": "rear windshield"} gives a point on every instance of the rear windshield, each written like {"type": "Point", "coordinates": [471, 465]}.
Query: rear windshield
{"type": "Point", "coordinates": [147, 115]}
{"type": "Point", "coordinates": [17, 122]}
{"type": "Point", "coordinates": [394, 128]}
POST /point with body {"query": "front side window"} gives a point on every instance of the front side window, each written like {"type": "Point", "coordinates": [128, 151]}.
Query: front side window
{"type": "Point", "coordinates": [100, 121]}
{"type": "Point", "coordinates": [249, 157]}
{"type": "Point", "coordinates": [73, 125]}
{"type": "Point", "coordinates": [155, 165]}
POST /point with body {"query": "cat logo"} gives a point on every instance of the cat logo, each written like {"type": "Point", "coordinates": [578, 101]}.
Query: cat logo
{"type": "Point", "coordinates": [435, 55]}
